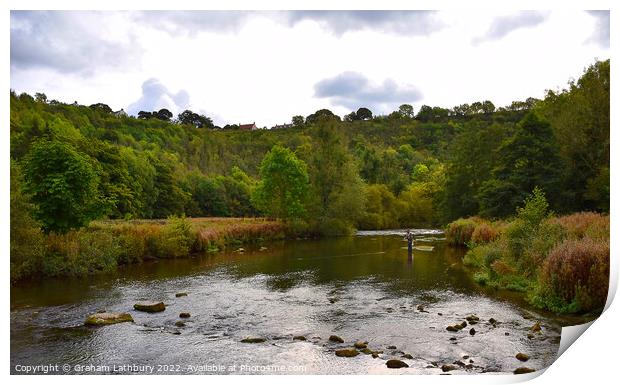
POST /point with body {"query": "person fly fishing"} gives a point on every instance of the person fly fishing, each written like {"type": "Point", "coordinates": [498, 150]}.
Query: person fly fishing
{"type": "Point", "coordinates": [409, 239]}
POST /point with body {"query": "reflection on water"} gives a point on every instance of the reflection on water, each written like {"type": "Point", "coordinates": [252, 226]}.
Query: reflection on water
{"type": "Point", "coordinates": [360, 288]}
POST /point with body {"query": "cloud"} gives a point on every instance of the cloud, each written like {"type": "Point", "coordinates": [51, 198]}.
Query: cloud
{"type": "Point", "coordinates": [68, 42]}
{"type": "Point", "coordinates": [353, 90]}
{"type": "Point", "coordinates": [400, 22]}
{"type": "Point", "coordinates": [504, 25]}
{"type": "Point", "coordinates": [337, 22]}
{"type": "Point", "coordinates": [600, 35]}
{"type": "Point", "coordinates": [191, 22]}
{"type": "Point", "coordinates": [156, 96]}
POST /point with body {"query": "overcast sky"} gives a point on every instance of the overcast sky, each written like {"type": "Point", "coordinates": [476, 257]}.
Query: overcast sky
{"type": "Point", "coordinates": [265, 67]}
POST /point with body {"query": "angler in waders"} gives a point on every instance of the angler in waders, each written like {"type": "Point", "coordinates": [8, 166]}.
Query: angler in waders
{"type": "Point", "coordinates": [409, 239]}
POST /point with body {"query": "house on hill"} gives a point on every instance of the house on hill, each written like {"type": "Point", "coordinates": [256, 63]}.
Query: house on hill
{"type": "Point", "coordinates": [249, 127]}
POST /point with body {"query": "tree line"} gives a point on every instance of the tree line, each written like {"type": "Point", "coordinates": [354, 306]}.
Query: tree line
{"type": "Point", "coordinates": [73, 163]}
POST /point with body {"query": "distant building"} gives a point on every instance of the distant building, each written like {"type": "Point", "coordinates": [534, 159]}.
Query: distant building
{"type": "Point", "coordinates": [120, 113]}
{"type": "Point", "coordinates": [249, 127]}
{"type": "Point", "coordinates": [280, 126]}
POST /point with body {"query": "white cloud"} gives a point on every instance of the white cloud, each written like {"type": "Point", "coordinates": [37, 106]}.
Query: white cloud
{"type": "Point", "coordinates": [156, 96]}
{"type": "Point", "coordinates": [264, 67]}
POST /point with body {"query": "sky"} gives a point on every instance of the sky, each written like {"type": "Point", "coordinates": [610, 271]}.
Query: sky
{"type": "Point", "coordinates": [267, 66]}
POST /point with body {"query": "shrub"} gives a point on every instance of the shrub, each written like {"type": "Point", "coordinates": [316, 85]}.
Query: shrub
{"type": "Point", "coordinates": [459, 232]}
{"type": "Point", "coordinates": [484, 233]}
{"type": "Point", "coordinates": [175, 239]}
{"type": "Point", "coordinates": [577, 271]}
{"type": "Point", "coordinates": [579, 225]}
{"type": "Point", "coordinates": [80, 253]}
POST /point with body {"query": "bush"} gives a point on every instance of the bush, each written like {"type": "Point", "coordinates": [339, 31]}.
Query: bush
{"type": "Point", "coordinates": [484, 233]}
{"type": "Point", "coordinates": [175, 239]}
{"type": "Point", "coordinates": [459, 232]}
{"type": "Point", "coordinates": [579, 225]}
{"type": "Point", "coordinates": [577, 272]}
{"type": "Point", "coordinates": [80, 253]}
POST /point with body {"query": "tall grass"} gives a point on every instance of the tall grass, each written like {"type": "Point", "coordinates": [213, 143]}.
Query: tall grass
{"type": "Point", "coordinates": [104, 245]}
{"type": "Point", "coordinates": [561, 262]}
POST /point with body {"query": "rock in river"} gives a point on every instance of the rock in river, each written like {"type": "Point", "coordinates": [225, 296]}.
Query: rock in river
{"type": "Point", "coordinates": [180, 295]}
{"type": "Point", "coordinates": [536, 327]}
{"type": "Point", "coordinates": [334, 338]}
{"type": "Point", "coordinates": [179, 324]}
{"type": "Point", "coordinates": [253, 340]}
{"type": "Point", "coordinates": [299, 338]}
{"type": "Point", "coordinates": [184, 315]}
{"type": "Point", "coordinates": [408, 356]}
{"type": "Point", "coordinates": [150, 307]}
{"type": "Point", "coordinates": [472, 331]}
{"type": "Point", "coordinates": [108, 318]}
{"type": "Point", "coordinates": [396, 364]}
{"type": "Point", "coordinates": [523, 370]}
{"type": "Point", "coordinates": [347, 352]}
{"type": "Point", "coordinates": [522, 357]}
{"type": "Point", "coordinates": [361, 344]}
{"type": "Point", "coordinates": [448, 367]}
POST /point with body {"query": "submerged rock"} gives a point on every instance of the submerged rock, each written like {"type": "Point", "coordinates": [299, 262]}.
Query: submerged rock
{"type": "Point", "coordinates": [472, 318]}
{"type": "Point", "coordinates": [253, 340]}
{"type": "Point", "coordinates": [448, 367]}
{"type": "Point", "coordinates": [366, 351]}
{"type": "Point", "coordinates": [361, 344]}
{"type": "Point", "coordinates": [391, 347]}
{"type": "Point", "coordinates": [522, 357]}
{"type": "Point", "coordinates": [150, 307]}
{"type": "Point", "coordinates": [263, 248]}
{"type": "Point", "coordinates": [184, 315]}
{"type": "Point", "coordinates": [347, 352]}
{"type": "Point", "coordinates": [299, 338]}
{"type": "Point", "coordinates": [334, 338]}
{"type": "Point", "coordinates": [523, 370]}
{"type": "Point", "coordinates": [492, 321]}
{"type": "Point", "coordinates": [179, 324]}
{"type": "Point", "coordinates": [536, 327]}
{"type": "Point", "coordinates": [396, 364]}
{"type": "Point", "coordinates": [183, 294]}
{"type": "Point", "coordinates": [408, 356]}
{"type": "Point", "coordinates": [99, 319]}
{"type": "Point", "coordinates": [375, 355]}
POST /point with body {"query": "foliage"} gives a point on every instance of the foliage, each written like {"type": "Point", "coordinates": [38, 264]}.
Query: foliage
{"type": "Point", "coordinates": [26, 237]}
{"type": "Point", "coordinates": [63, 186]}
{"type": "Point", "coordinates": [283, 187]}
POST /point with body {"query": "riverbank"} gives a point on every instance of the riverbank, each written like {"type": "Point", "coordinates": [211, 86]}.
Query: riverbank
{"type": "Point", "coordinates": [560, 263]}
{"type": "Point", "coordinates": [104, 245]}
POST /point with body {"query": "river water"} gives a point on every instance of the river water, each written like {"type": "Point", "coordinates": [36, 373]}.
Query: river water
{"type": "Point", "coordinates": [361, 288]}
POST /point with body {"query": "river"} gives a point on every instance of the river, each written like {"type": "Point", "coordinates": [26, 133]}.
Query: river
{"type": "Point", "coordinates": [361, 288]}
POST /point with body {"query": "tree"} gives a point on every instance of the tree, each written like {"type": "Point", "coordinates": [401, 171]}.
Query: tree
{"type": "Point", "coordinates": [163, 114]}
{"type": "Point", "coordinates": [193, 119]}
{"type": "Point", "coordinates": [298, 121]}
{"type": "Point", "coordinates": [321, 114]}
{"type": "Point", "coordinates": [351, 117]}
{"type": "Point", "coordinates": [488, 107]}
{"type": "Point", "coordinates": [406, 111]}
{"type": "Point", "coordinates": [40, 97]}
{"type": "Point", "coordinates": [63, 186]}
{"type": "Point", "coordinates": [363, 113]}
{"type": "Point", "coordinates": [336, 192]}
{"type": "Point", "coordinates": [101, 107]}
{"type": "Point", "coordinates": [527, 159]}
{"type": "Point", "coordinates": [282, 189]}
{"type": "Point", "coordinates": [144, 115]}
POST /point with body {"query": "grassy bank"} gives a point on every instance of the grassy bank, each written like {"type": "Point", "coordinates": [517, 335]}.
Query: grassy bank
{"type": "Point", "coordinates": [104, 245]}
{"type": "Point", "coordinates": [560, 263]}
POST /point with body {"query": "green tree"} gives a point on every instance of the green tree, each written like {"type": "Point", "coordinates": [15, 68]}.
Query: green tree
{"type": "Point", "coordinates": [282, 189]}
{"type": "Point", "coordinates": [527, 159]}
{"type": "Point", "coordinates": [337, 199]}
{"type": "Point", "coordinates": [406, 111]}
{"type": "Point", "coordinates": [363, 113]}
{"type": "Point", "coordinates": [63, 186]}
